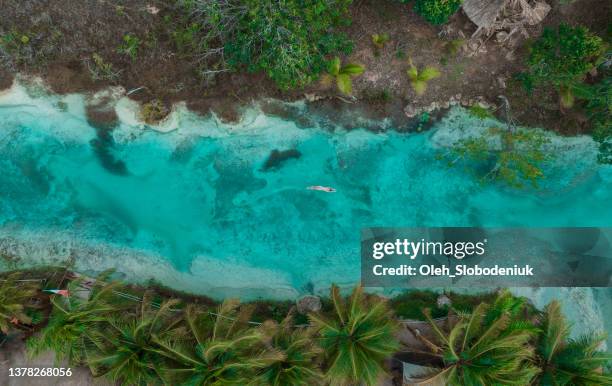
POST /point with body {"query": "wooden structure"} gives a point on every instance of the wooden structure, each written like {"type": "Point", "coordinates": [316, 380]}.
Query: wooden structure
{"type": "Point", "coordinates": [491, 16]}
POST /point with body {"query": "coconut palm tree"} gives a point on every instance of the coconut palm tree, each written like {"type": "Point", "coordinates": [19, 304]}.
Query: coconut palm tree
{"type": "Point", "coordinates": [297, 365]}
{"type": "Point", "coordinates": [343, 74]}
{"type": "Point", "coordinates": [357, 338]}
{"type": "Point", "coordinates": [566, 361]}
{"type": "Point", "coordinates": [486, 347]}
{"type": "Point", "coordinates": [14, 301]}
{"type": "Point", "coordinates": [517, 308]}
{"type": "Point", "coordinates": [379, 41]}
{"type": "Point", "coordinates": [126, 348]}
{"type": "Point", "coordinates": [74, 322]}
{"type": "Point", "coordinates": [221, 351]}
{"type": "Point", "coordinates": [419, 78]}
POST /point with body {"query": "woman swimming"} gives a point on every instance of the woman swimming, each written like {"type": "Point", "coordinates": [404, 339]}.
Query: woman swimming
{"type": "Point", "coordinates": [321, 188]}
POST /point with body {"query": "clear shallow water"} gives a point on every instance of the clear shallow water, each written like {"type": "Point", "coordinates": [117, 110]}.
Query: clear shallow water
{"type": "Point", "coordinates": [199, 201]}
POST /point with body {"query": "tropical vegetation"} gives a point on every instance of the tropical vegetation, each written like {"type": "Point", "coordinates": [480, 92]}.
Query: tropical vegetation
{"type": "Point", "coordinates": [576, 63]}
{"type": "Point", "coordinates": [513, 156]}
{"type": "Point", "coordinates": [15, 302]}
{"type": "Point", "coordinates": [598, 108]}
{"type": "Point", "coordinates": [126, 349]}
{"type": "Point", "coordinates": [342, 75]}
{"type": "Point", "coordinates": [290, 41]}
{"type": "Point", "coordinates": [380, 41]}
{"type": "Point", "coordinates": [99, 69]}
{"type": "Point", "coordinates": [356, 338]}
{"type": "Point", "coordinates": [562, 57]}
{"type": "Point", "coordinates": [134, 336]}
{"type": "Point", "coordinates": [489, 346]}
{"type": "Point", "coordinates": [72, 326]}
{"type": "Point", "coordinates": [436, 11]}
{"type": "Point", "coordinates": [298, 361]}
{"type": "Point", "coordinates": [130, 46]}
{"type": "Point", "coordinates": [215, 350]}
{"type": "Point", "coordinates": [567, 361]}
{"type": "Point", "coordinates": [420, 78]}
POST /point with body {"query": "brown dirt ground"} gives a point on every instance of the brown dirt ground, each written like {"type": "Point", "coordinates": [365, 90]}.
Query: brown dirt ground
{"type": "Point", "coordinates": [81, 28]}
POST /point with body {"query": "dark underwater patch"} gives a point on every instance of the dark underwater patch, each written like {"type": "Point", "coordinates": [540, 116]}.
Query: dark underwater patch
{"type": "Point", "coordinates": [277, 157]}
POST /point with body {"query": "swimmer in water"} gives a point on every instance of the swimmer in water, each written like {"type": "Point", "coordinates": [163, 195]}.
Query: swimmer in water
{"type": "Point", "coordinates": [320, 188]}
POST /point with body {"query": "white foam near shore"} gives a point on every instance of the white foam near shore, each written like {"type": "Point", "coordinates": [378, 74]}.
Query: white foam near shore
{"type": "Point", "coordinates": [207, 276]}
{"type": "Point", "coordinates": [32, 99]}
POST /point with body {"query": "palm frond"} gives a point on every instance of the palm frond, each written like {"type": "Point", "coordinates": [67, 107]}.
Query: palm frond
{"type": "Point", "coordinates": [357, 339]}
{"type": "Point", "coordinates": [429, 73]}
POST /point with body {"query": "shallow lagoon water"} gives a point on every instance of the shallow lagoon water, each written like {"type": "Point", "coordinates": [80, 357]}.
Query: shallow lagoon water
{"type": "Point", "coordinates": [196, 203]}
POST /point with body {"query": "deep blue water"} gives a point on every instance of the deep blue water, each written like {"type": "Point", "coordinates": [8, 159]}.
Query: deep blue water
{"type": "Point", "coordinates": [202, 191]}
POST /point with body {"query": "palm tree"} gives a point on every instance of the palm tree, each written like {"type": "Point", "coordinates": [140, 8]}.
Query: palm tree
{"type": "Point", "coordinates": [222, 351]}
{"type": "Point", "coordinates": [490, 346]}
{"type": "Point", "coordinates": [126, 348]}
{"type": "Point", "coordinates": [357, 338]}
{"type": "Point", "coordinates": [74, 322]}
{"type": "Point", "coordinates": [419, 78]}
{"type": "Point", "coordinates": [297, 365]}
{"type": "Point", "coordinates": [15, 300]}
{"type": "Point", "coordinates": [379, 41]}
{"type": "Point", "coordinates": [343, 74]}
{"type": "Point", "coordinates": [566, 361]}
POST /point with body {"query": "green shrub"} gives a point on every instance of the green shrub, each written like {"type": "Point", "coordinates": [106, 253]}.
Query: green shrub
{"type": "Point", "coordinates": [563, 55]}
{"type": "Point", "coordinates": [30, 47]}
{"type": "Point", "coordinates": [410, 304]}
{"type": "Point", "coordinates": [100, 69]}
{"type": "Point", "coordinates": [480, 112]}
{"type": "Point", "coordinates": [130, 46]}
{"type": "Point", "coordinates": [154, 111]}
{"type": "Point", "coordinates": [287, 40]}
{"type": "Point", "coordinates": [562, 58]}
{"type": "Point", "coordinates": [16, 44]}
{"type": "Point", "coordinates": [599, 111]}
{"type": "Point", "coordinates": [437, 11]}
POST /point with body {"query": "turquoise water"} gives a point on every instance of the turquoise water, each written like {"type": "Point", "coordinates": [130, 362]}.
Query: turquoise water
{"type": "Point", "coordinates": [201, 193]}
